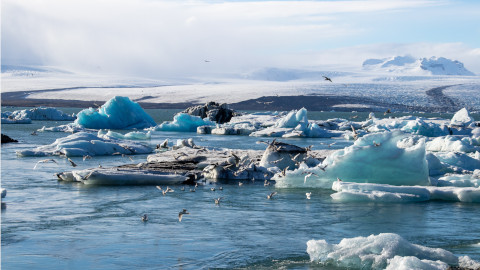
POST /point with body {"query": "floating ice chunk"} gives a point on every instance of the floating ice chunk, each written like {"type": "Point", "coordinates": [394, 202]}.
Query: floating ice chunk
{"type": "Point", "coordinates": [184, 123]}
{"type": "Point", "coordinates": [117, 113]}
{"type": "Point", "coordinates": [435, 166]}
{"type": "Point", "coordinates": [282, 155]}
{"type": "Point", "coordinates": [411, 262]}
{"type": "Point", "coordinates": [8, 118]}
{"type": "Point", "coordinates": [420, 127]}
{"type": "Point", "coordinates": [390, 157]}
{"type": "Point", "coordinates": [83, 143]}
{"type": "Point", "coordinates": [453, 144]}
{"type": "Point", "coordinates": [459, 180]}
{"type": "Point", "coordinates": [43, 113]}
{"type": "Point", "coordinates": [476, 133]}
{"type": "Point", "coordinates": [293, 119]}
{"type": "Point", "coordinates": [127, 176]}
{"type": "Point", "coordinates": [467, 263]}
{"type": "Point", "coordinates": [375, 252]}
{"type": "Point", "coordinates": [461, 118]}
{"type": "Point", "coordinates": [355, 192]}
{"type": "Point", "coordinates": [458, 161]}
{"type": "Point", "coordinates": [134, 135]}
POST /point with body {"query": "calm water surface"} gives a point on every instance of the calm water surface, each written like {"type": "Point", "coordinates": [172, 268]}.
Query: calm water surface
{"type": "Point", "coordinates": [52, 225]}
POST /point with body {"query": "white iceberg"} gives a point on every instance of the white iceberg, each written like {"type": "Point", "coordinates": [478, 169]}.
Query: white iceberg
{"type": "Point", "coordinates": [420, 127]}
{"type": "Point", "coordinates": [460, 180]}
{"type": "Point", "coordinates": [8, 118]}
{"type": "Point", "coordinates": [458, 162]}
{"type": "Point", "coordinates": [183, 122]}
{"type": "Point", "coordinates": [126, 176]}
{"type": "Point", "coordinates": [134, 135]}
{"type": "Point", "coordinates": [376, 252]}
{"type": "Point", "coordinates": [117, 113]}
{"type": "Point", "coordinates": [83, 143]}
{"type": "Point", "coordinates": [387, 158]}
{"type": "Point", "coordinates": [462, 118]}
{"type": "Point", "coordinates": [365, 192]}
{"type": "Point", "coordinates": [454, 144]}
{"type": "Point", "coordinates": [44, 113]}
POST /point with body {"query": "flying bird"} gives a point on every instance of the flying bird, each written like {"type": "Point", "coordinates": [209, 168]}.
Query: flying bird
{"type": "Point", "coordinates": [44, 161]}
{"type": "Point", "coordinates": [86, 157]}
{"type": "Point", "coordinates": [180, 214]}
{"type": "Point", "coordinates": [72, 163]}
{"type": "Point", "coordinates": [270, 196]}
{"type": "Point", "coordinates": [144, 218]}
{"type": "Point", "coordinates": [217, 201]}
{"type": "Point", "coordinates": [308, 194]}
{"type": "Point", "coordinates": [327, 78]}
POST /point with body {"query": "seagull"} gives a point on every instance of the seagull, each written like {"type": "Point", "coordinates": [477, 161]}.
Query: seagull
{"type": "Point", "coordinates": [192, 190]}
{"type": "Point", "coordinates": [206, 61]}
{"type": "Point", "coordinates": [376, 144]}
{"type": "Point", "coordinates": [34, 133]}
{"type": "Point", "coordinates": [217, 201]}
{"type": "Point", "coordinates": [159, 187]}
{"type": "Point", "coordinates": [212, 189]}
{"type": "Point", "coordinates": [308, 194]}
{"type": "Point", "coordinates": [307, 176]}
{"type": "Point", "coordinates": [72, 163]}
{"type": "Point", "coordinates": [220, 188]}
{"type": "Point", "coordinates": [387, 112]}
{"type": "Point", "coordinates": [284, 171]}
{"type": "Point", "coordinates": [44, 161]}
{"type": "Point", "coordinates": [339, 180]}
{"type": "Point", "coordinates": [327, 78]}
{"type": "Point", "coordinates": [355, 134]}
{"type": "Point", "coordinates": [240, 184]}
{"type": "Point", "coordinates": [88, 175]}
{"type": "Point", "coordinates": [180, 214]}
{"type": "Point", "coordinates": [144, 218]}
{"type": "Point", "coordinates": [323, 168]}
{"type": "Point", "coordinates": [86, 157]}
{"type": "Point", "coordinates": [266, 183]}
{"type": "Point", "coordinates": [355, 116]}
{"type": "Point", "coordinates": [271, 195]}
{"type": "Point", "coordinates": [182, 189]}
{"type": "Point", "coordinates": [169, 190]}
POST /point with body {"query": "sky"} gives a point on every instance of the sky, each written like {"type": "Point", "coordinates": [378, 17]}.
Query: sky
{"type": "Point", "coordinates": [156, 39]}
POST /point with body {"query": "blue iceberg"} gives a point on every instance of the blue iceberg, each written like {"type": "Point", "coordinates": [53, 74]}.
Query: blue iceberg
{"type": "Point", "coordinates": [117, 113]}
{"type": "Point", "coordinates": [183, 122]}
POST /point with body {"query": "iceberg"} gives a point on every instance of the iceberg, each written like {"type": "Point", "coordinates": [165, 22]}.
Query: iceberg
{"type": "Point", "coordinates": [458, 161]}
{"type": "Point", "coordinates": [454, 144]}
{"type": "Point", "coordinates": [134, 135]}
{"type": "Point", "coordinates": [420, 127]}
{"type": "Point", "coordinates": [117, 113]}
{"type": "Point", "coordinates": [392, 158]}
{"type": "Point", "coordinates": [365, 192]}
{"type": "Point", "coordinates": [462, 118]}
{"type": "Point", "coordinates": [381, 251]}
{"type": "Point", "coordinates": [83, 143]}
{"type": "Point", "coordinates": [8, 118]}
{"type": "Point", "coordinates": [183, 122]}
{"type": "Point", "coordinates": [43, 113]}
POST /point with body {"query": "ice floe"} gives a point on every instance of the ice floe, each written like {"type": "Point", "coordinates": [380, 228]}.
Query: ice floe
{"type": "Point", "coordinates": [8, 118]}
{"type": "Point", "coordinates": [462, 118]}
{"type": "Point", "coordinates": [184, 123]}
{"type": "Point", "coordinates": [356, 192]}
{"type": "Point", "coordinates": [83, 143]}
{"type": "Point", "coordinates": [117, 113]}
{"type": "Point", "coordinates": [382, 251]}
{"type": "Point", "coordinates": [388, 157]}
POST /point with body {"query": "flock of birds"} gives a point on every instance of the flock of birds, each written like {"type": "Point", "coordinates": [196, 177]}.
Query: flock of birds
{"type": "Point", "coordinates": [217, 200]}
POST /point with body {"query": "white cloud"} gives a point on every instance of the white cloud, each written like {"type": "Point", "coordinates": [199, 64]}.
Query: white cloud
{"type": "Point", "coordinates": [166, 38]}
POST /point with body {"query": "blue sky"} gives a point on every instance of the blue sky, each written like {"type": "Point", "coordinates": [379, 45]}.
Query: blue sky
{"type": "Point", "coordinates": [155, 37]}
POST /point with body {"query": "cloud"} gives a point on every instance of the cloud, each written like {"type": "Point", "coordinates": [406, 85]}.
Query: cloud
{"type": "Point", "coordinates": [173, 38]}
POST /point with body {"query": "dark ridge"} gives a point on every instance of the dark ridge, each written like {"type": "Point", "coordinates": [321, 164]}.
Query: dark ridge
{"type": "Point", "coordinates": [7, 139]}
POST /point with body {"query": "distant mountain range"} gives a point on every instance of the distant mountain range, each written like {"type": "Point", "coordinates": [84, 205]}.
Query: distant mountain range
{"type": "Point", "coordinates": [417, 66]}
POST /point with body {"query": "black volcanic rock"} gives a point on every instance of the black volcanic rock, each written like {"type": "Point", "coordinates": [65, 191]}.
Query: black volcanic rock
{"type": "Point", "coordinates": [6, 139]}
{"type": "Point", "coordinates": [219, 113]}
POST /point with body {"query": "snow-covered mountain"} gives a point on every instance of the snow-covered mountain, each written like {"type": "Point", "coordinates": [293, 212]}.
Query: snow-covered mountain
{"type": "Point", "coordinates": [421, 66]}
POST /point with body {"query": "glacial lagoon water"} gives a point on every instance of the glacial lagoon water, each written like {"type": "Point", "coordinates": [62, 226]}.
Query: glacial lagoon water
{"type": "Point", "coordinates": [47, 224]}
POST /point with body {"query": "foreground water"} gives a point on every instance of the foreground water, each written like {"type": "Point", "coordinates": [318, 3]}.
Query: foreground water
{"type": "Point", "coordinates": [50, 225]}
